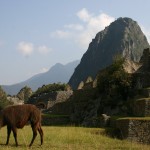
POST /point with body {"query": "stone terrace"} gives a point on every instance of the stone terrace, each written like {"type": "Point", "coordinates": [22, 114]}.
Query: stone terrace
{"type": "Point", "coordinates": [137, 128]}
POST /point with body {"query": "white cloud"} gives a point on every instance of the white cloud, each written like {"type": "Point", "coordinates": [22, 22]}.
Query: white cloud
{"type": "Point", "coordinates": [93, 26]}
{"type": "Point", "coordinates": [44, 50]}
{"type": "Point", "coordinates": [25, 48]}
{"type": "Point", "coordinates": [84, 15]}
{"type": "Point", "coordinates": [61, 34]}
{"type": "Point", "coordinates": [82, 33]}
{"type": "Point", "coordinates": [43, 70]}
{"type": "Point", "coordinates": [146, 31]}
{"type": "Point", "coordinates": [74, 27]}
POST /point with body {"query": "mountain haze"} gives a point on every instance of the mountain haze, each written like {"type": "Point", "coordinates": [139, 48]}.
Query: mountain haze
{"type": "Point", "coordinates": [123, 36]}
{"type": "Point", "coordinates": [57, 73]}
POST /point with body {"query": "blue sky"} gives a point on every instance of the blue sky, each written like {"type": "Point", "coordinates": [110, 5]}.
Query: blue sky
{"type": "Point", "coordinates": [36, 34]}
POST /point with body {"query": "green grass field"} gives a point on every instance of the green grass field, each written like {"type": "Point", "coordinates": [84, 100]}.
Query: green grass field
{"type": "Point", "coordinates": [68, 138]}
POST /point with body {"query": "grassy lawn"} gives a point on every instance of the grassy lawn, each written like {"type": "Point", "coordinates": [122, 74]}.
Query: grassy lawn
{"type": "Point", "coordinates": [68, 138]}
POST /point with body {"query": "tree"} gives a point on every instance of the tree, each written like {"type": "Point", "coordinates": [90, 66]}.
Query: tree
{"type": "Point", "coordinates": [25, 93]}
{"type": "Point", "coordinates": [51, 88]}
{"type": "Point", "coordinates": [3, 99]}
{"type": "Point", "coordinates": [114, 81]}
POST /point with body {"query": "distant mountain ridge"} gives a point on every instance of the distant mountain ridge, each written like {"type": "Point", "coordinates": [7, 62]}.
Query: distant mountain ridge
{"type": "Point", "coordinates": [122, 36]}
{"type": "Point", "coordinates": [57, 73]}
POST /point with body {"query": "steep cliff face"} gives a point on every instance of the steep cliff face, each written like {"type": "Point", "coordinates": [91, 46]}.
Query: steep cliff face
{"type": "Point", "coordinates": [123, 36]}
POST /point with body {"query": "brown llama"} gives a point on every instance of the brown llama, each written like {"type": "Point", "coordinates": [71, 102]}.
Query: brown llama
{"type": "Point", "coordinates": [17, 116]}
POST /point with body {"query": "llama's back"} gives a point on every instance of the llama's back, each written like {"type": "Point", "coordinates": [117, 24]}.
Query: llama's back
{"type": "Point", "coordinates": [19, 115]}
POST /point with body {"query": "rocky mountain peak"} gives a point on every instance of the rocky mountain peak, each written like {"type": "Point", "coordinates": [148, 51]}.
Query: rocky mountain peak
{"type": "Point", "coordinates": [123, 37]}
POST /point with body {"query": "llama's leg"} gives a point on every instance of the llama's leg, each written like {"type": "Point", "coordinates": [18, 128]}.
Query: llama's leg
{"type": "Point", "coordinates": [8, 134]}
{"type": "Point", "coordinates": [15, 135]}
{"type": "Point", "coordinates": [34, 129]}
{"type": "Point", "coordinates": [41, 133]}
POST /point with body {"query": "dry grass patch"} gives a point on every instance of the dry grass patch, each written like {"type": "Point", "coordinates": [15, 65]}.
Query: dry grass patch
{"type": "Point", "coordinates": [68, 138]}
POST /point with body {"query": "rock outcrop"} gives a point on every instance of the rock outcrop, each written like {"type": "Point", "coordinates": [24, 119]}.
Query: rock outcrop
{"type": "Point", "coordinates": [123, 36]}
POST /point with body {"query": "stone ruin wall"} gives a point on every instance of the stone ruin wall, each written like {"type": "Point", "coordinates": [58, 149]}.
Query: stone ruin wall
{"type": "Point", "coordinates": [137, 130]}
{"type": "Point", "coordinates": [89, 83]}
{"type": "Point", "coordinates": [48, 100]}
{"type": "Point", "coordinates": [142, 108]}
{"type": "Point", "coordinates": [61, 96]}
{"type": "Point", "coordinates": [142, 75]}
{"type": "Point", "coordinates": [141, 80]}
